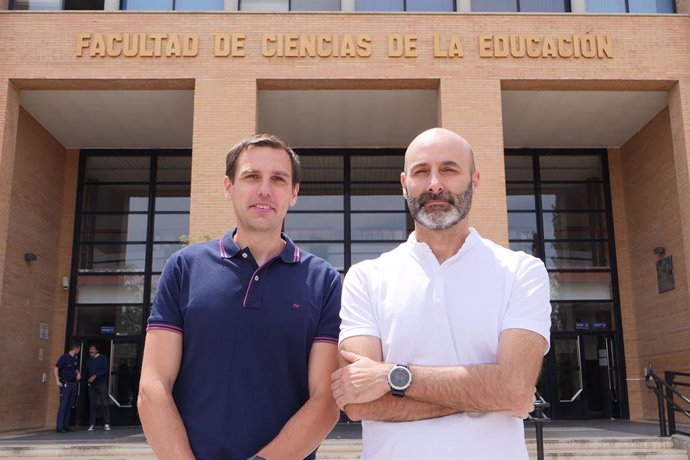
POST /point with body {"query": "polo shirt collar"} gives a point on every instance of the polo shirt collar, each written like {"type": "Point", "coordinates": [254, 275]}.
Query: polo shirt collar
{"type": "Point", "coordinates": [229, 249]}
{"type": "Point", "coordinates": [423, 248]}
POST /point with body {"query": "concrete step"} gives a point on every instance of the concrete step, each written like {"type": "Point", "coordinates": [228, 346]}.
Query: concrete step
{"type": "Point", "coordinates": [643, 448]}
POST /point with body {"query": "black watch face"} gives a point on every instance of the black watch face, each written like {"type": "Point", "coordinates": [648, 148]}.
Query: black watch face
{"type": "Point", "coordinates": [399, 378]}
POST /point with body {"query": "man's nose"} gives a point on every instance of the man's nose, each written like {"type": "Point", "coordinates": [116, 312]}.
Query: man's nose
{"type": "Point", "coordinates": [265, 187]}
{"type": "Point", "coordinates": [435, 184]}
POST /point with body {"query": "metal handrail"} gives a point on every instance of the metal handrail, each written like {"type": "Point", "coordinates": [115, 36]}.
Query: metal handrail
{"type": "Point", "coordinates": [538, 419]}
{"type": "Point", "coordinates": [665, 391]}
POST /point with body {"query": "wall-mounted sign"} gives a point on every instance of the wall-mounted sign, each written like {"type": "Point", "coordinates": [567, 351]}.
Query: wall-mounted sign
{"type": "Point", "coordinates": [664, 274]}
{"type": "Point", "coordinates": [335, 45]}
{"type": "Point", "coordinates": [43, 331]}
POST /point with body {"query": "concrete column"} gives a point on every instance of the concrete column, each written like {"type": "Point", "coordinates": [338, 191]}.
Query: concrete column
{"type": "Point", "coordinates": [683, 6]}
{"type": "Point", "coordinates": [4, 4]}
{"type": "Point", "coordinates": [464, 6]}
{"type": "Point", "coordinates": [347, 5]}
{"type": "Point", "coordinates": [578, 6]}
{"type": "Point", "coordinates": [472, 108]}
{"type": "Point", "coordinates": [224, 113]}
{"type": "Point", "coordinates": [9, 120]}
{"type": "Point", "coordinates": [231, 5]}
{"type": "Point", "coordinates": [111, 5]}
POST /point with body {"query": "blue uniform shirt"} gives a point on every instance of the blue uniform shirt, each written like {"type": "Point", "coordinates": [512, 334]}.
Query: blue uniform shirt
{"type": "Point", "coordinates": [67, 368]}
{"type": "Point", "coordinates": [248, 331]}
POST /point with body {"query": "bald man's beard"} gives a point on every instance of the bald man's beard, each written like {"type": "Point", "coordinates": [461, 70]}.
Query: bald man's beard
{"type": "Point", "coordinates": [440, 217]}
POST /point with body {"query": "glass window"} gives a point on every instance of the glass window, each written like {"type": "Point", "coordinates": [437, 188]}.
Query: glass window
{"type": "Point", "coordinates": [528, 247]}
{"type": "Point", "coordinates": [379, 5]}
{"type": "Point", "coordinates": [520, 197]}
{"type": "Point", "coordinates": [588, 316]}
{"type": "Point", "coordinates": [379, 226]}
{"type": "Point", "coordinates": [575, 225]}
{"type": "Point", "coordinates": [577, 254]}
{"type": "Point", "coordinates": [375, 168]}
{"type": "Point", "coordinates": [650, 6]}
{"type": "Point", "coordinates": [174, 168]}
{"type": "Point", "coordinates": [264, 5]}
{"type": "Point", "coordinates": [366, 251]}
{"type": "Point", "coordinates": [570, 168]}
{"type": "Point", "coordinates": [518, 168]}
{"type": "Point", "coordinates": [322, 168]}
{"type": "Point", "coordinates": [315, 5]}
{"type": "Point", "coordinates": [38, 5]}
{"type": "Point", "coordinates": [147, 5]}
{"type": "Point", "coordinates": [543, 6]}
{"type": "Point", "coordinates": [199, 5]}
{"type": "Point", "coordinates": [122, 168]}
{"type": "Point", "coordinates": [319, 197]}
{"type": "Point", "coordinates": [114, 227]}
{"type": "Point", "coordinates": [310, 227]}
{"type": "Point", "coordinates": [111, 257]}
{"type": "Point", "coordinates": [522, 225]}
{"type": "Point", "coordinates": [124, 377]}
{"type": "Point", "coordinates": [380, 197]}
{"type": "Point", "coordinates": [605, 6]}
{"type": "Point", "coordinates": [125, 320]}
{"type": "Point", "coordinates": [430, 5]}
{"type": "Point", "coordinates": [572, 196]}
{"type": "Point", "coordinates": [172, 197]}
{"type": "Point", "coordinates": [333, 253]}
{"type": "Point", "coordinates": [170, 227]}
{"type": "Point", "coordinates": [580, 285]}
{"type": "Point", "coordinates": [84, 4]}
{"type": "Point", "coordinates": [161, 254]}
{"type": "Point", "coordinates": [115, 198]}
{"type": "Point", "coordinates": [494, 5]}
{"type": "Point", "coordinates": [110, 289]}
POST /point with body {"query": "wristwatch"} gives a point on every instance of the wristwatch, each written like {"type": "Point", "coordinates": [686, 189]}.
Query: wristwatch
{"type": "Point", "coordinates": [399, 379]}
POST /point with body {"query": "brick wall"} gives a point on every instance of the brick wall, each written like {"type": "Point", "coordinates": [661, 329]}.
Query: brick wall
{"type": "Point", "coordinates": [29, 289]}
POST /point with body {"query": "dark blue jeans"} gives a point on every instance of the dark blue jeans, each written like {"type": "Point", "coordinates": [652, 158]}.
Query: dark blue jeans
{"type": "Point", "coordinates": [68, 396]}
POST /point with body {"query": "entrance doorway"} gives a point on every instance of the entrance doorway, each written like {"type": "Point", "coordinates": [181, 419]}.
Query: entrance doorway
{"type": "Point", "coordinates": [559, 209]}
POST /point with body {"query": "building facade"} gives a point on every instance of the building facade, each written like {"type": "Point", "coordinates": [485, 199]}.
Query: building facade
{"type": "Point", "coordinates": [115, 122]}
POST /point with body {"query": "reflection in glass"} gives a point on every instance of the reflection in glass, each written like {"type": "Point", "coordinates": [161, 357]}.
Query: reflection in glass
{"type": "Point", "coordinates": [121, 320]}
{"type": "Point", "coordinates": [161, 254]}
{"type": "Point", "coordinates": [319, 197]}
{"type": "Point", "coordinates": [264, 5]}
{"type": "Point", "coordinates": [494, 5]}
{"type": "Point", "coordinates": [573, 196]}
{"type": "Point", "coordinates": [333, 253]}
{"type": "Point", "coordinates": [379, 197]}
{"type": "Point", "coordinates": [577, 254]}
{"type": "Point", "coordinates": [110, 289]}
{"type": "Point", "coordinates": [38, 5]}
{"type": "Point", "coordinates": [175, 168]}
{"type": "Point", "coordinates": [518, 168]}
{"type": "Point", "coordinates": [172, 197]}
{"type": "Point", "coordinates": [605, 6]}
{"type": "Point", "coordinates": [365, 251]}
{"type": "Point", "coordinates": [575, 225]}
{"type": "Point", "coordinates": [199, 5]}
{"type": "Point", "coordinates": [124, 376]}
{"type": "Point", "coordinates": [543, 6]}
{"type": "Point", "coordinates": [115, 198]}
{"type": "Point", "coordinates": [118, 168]}
{"type": "Point", "coordinates": [528, 247]}
{"type": "Point", "coordinates": [170, 227]}
{"type": "Point", "coordinates": [377, 168]}
{"type": "Point", "coordinates": [322, 168]}
{"type": "Point", "coordinates": [651, 6]}
{"type": "Point", "coordinates": [430, 5]}
{"type": "Point", "coordinates": [147, 5]}
{"type": "Point", "coordinates": [379, 226]}
{"type": "Point", "coordinates": [379, 5]}
{"type": "Point", "coordinates": [522, 225]}
{"type": "Point", "coordinates": [95, 257]}
{"type": "Point", "coordinates": [155, 279]}
{"type": "Point", "coordinates": [568, 371]}
{"type": "Point", "coordinates": [570, 167]}
{"type": "Point", "coordinates": [315, 5]}
{"type": "Point", "coordinates": [306, 227]}
{"type": "Point", "coordinates": [84, 4]}
{"type": "Point", "coordinates": [589, 316]}
{"type": "Point", "coordinates": [581, 286]}
{"type": "Point", "coordinates": [114, 227]}
{"type": "Point", "coordinates": [520, 197]}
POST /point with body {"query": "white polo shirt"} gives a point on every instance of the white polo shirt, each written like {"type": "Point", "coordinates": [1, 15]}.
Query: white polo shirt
{"type": "Point", "coordinates": [445, 315]}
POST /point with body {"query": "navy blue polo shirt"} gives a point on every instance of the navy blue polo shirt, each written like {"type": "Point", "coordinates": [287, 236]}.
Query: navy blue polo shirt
{"type": "Point", "coordinates": [248, 331]}
{"type": "Point", "coordinates": [67, 367]}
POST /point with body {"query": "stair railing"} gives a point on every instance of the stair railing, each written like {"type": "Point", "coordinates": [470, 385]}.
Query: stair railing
{"type": "Point", "coordinates": [666, 391]}
{"type": "Point", "coordinates": [538, 417]}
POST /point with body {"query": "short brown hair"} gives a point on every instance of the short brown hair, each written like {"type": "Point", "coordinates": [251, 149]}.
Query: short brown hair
{"type": "Point", "coordinates": [261, 140]}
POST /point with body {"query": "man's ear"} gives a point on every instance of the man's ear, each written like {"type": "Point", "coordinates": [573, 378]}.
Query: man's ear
{"type": "Point", "coordinates": [295, 191]}
{"type": "Point", "coordinates": [402, 184]}
{"type": "Point", "coordinates": [227, 188]}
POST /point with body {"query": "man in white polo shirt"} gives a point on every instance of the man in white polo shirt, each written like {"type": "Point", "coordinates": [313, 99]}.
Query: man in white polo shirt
{"type": "Point", "coordinates": [443, 337]}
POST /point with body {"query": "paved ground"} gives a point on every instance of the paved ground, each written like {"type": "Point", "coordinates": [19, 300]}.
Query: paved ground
{"type": "Point", "coordinates": [552, 430]}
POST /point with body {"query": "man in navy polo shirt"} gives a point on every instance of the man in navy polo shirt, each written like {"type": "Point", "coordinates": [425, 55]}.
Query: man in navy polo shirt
{"type": "Point", "coordinates": [67, 376]}
{"type": "Point", "coordinates": [242, 338]}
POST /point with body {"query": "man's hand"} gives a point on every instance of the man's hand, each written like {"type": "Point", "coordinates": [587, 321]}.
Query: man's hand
{"type": "Point", "coordinates": [91, 379]}
{"type": "Point", "coordinates": [361, 381]}
{"type": "Point", "coordinates": [527, 408]}
{"type": "Point", "coordinates": [78, 376]}
{"type": "Point", "coordinates": [58, 384]}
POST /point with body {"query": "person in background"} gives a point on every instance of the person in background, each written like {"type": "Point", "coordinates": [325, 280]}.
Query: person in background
{"type": "Point", "coordinates": [67, 376]}
{"type": "Point", "coordinates": [97, 372]}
